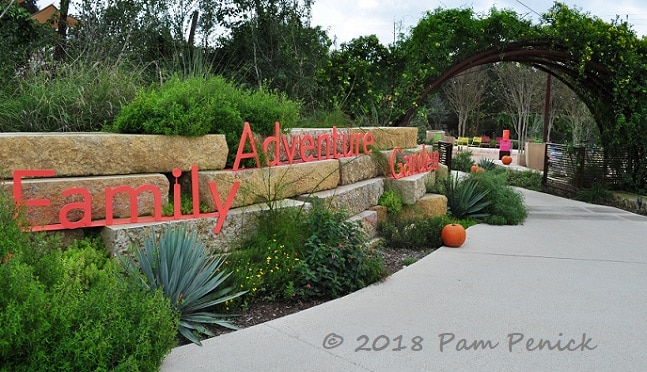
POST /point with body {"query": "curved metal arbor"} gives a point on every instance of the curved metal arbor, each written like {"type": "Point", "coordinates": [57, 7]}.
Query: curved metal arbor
{"type": "Point", "coordinates": [593, 85]}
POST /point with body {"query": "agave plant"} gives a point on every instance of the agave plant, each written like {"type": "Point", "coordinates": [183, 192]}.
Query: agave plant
{"type": "Point", "coordinates": [464, 199]}
{"type": "Point", "coordinates": [180, 265]}
{"type": "Point", "coordinates": [487, 164]}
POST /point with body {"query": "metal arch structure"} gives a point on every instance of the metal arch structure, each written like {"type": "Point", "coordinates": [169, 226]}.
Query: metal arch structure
{"type": "Point", "coordinates": [593, 85]}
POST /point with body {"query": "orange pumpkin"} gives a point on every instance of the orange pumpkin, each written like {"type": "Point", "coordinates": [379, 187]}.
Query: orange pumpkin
{"type": "Point", "coordinates": [453, 235]}
{"type": "Point", "coordinates": [506, 160]}
{"type": "Point", "coordinates": [474, 168]}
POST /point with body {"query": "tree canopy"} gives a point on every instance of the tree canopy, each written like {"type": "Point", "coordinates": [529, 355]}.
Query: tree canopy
{"type": "Point", "coordinates": [604, 64]}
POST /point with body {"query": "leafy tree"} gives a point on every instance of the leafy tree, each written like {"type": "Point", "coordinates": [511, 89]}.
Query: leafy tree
{"type": "Point", "coordinates": [465, 94]}
{"type": "Point", "coordinates": [440, 40]}
{"type": "Point", "coordinates": [522, 93]}
{"type": "Point", "coordinates": [557, 90]}
{"type": "Point", "coordinates": [20, 38]}
{"type": "Point", "coordinates": [271, 45]}
{"type": "Point", "coordinates": [610, 62]}
{"type": "Point", "coordinates": [117, 30]}
{"type": "Point", "coordinates": [358, 79]}
{"type": "Point", "coordinates": [579, 119]}
{"type": "Point", "coordinates": [30, 5]}
{"type": "Point", "coordinates": [605, 64]}
{"type": "Point", "coordinates": [59, 51]}
{"type": "Point", "coordinates": [436, 111]}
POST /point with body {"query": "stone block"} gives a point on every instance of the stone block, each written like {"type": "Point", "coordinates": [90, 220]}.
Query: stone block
{"type": "Point", "coordinates": [354, 198]}
{"type": "Point", "coordinates": [259, 185]}
{"type": "Point", "coordinates": [434, 135]}
{"type": "Point", "coordinates": [357, 168]}
{"type": "Point", "coordinates": [381, 213]}
{"type": "Point", "coordinates": [383, 138]}
{"type": "Point", "coordinates": [430, 205]}
{"type": "Point", "coordinates": [52, 189]}
{"type": "Point", "coordinates": [368, 222]}
{"type": "Point", "coordinates": [324, 144]}
{"type": "Point", "coordinates": [391, 137]}
{"type": "Point", "coordinates": [240, 221]}
{"type": "Point", "coordinates": [411, 188]}
{"type": "Point", "coordinates": [91, 154]}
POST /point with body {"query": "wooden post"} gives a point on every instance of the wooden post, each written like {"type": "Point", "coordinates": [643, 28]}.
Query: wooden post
{"type": "Point", "coordinates": [59, 51]}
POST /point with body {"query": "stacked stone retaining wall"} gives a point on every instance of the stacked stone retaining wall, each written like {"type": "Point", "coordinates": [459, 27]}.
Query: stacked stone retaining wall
{"type": "Point", "coordinates": [100, 162]}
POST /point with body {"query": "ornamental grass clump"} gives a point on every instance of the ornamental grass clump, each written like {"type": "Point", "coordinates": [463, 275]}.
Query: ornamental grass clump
{"type": "Point", "coordinates": [190, 277]}
{"type": "Point", "coordinates": [415, 232]}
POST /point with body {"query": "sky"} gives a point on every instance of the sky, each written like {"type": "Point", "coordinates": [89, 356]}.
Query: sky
{"type": "Point", "coordinates": [348, 19]}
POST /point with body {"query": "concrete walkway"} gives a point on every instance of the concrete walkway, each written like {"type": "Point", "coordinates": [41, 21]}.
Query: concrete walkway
{"type": "Point", "coordinates": [573, 271]}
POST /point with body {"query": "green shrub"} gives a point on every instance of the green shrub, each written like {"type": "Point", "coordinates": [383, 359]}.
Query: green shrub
{"type": "Point", "coordinates": [409, 261]}
{"type": "Point", "coordinates": [414, 233]}
{"type": "Point", "coordinates": [197, 106]}
{"type": "Point", "coordinates": [288, 226]}
{"type": "Point", "coordinates": [392, 200]}
{"type": "Point", "coordinates": [188, 107]}
{"type": "Point", "coordinates": [189, 276]}
{"type": "Point", "coordinates": [186, 206]}
{"type": "Point", "coordinates": [326, 119]}
{"type": "Point", "coordinates": [74, 310]}
{"type": "Point", "coordinates": [12, 238]}
{"type": "Point", "coordinates": [301, 255]}
{"type": "Point", "coordinates": [264, 273]}
{"type": "Point", "coordinates": [505, 205]}
{"type": "Point", "coordinates": [530, 180]}
{"type": "Point", "coordinates": [278, 234]}
{"type": "Point", "coordinates": [337, 259]}
{"type": "Point", "coordinates": [507, 208]}
{"type": "Point", "coordinates": [87, 259]}
{"type": "Point", "coordinates": [462, 161]}
{"type": "Point", "coordinates": [121, 327]}
{"type": "Point", "coordinates": [598, 193]}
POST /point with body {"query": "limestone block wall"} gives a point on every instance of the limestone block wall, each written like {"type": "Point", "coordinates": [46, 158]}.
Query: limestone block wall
{"type": "Point", "coordinates": [100, 154]}
{"type": "Point", "coordinates": [99, 162]}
